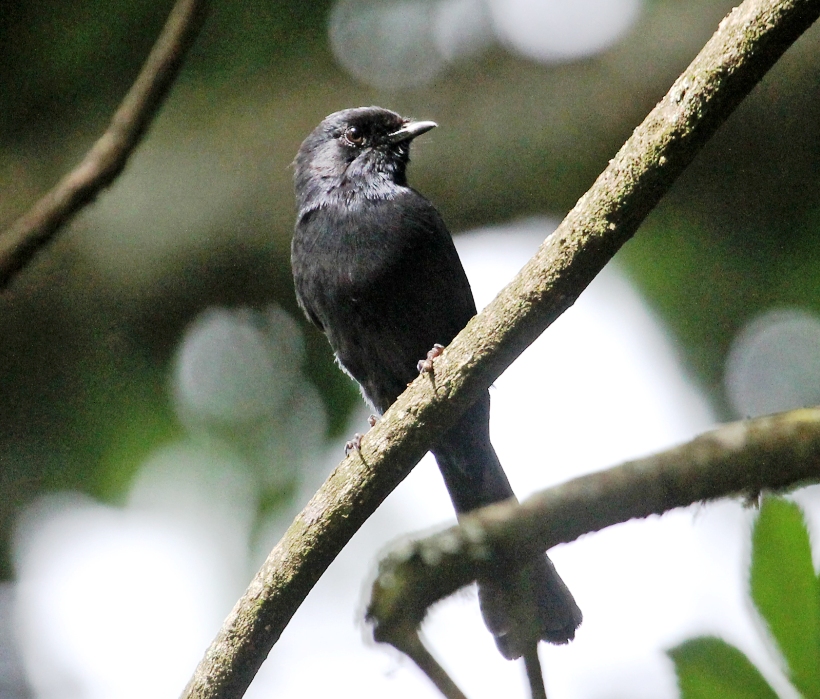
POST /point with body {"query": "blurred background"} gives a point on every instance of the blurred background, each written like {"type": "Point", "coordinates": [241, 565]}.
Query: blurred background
{"type": "Point", "coordinates": [166, 410]}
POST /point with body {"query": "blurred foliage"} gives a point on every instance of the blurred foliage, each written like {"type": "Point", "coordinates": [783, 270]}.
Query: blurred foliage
{"type": "Point", "coordinates": [67, 61]}
{"type": "Point", "coordinates": [709, 667]}
{"type": "Point", "coordinates": [786, 593]}
{"type": "Point", "coordinates": [204, 212]}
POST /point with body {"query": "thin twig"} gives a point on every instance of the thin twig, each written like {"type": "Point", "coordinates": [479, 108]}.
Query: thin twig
{"type": "Point", "coordinates": [535, 677]}
{"type": "Point", "coordinates": [740, 458]}
{"type": "Point", "coordinates": [108, 156]}
{"type": "Point", "coordinates": [413, 647]}
{"type": "Point", "coordinates": [748, 42]}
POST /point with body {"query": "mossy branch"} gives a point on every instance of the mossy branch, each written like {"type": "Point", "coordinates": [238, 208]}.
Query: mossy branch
{"type": "Point", "coordinates": [740, 458]}
{"type": "Point", "coordinates": [747, 44]}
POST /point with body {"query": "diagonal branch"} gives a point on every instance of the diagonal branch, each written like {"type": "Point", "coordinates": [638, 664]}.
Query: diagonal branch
{"type": "Point", "coordinates": [748, 42]}
{"type": "Point", "coordinates": [740, 458]}
{"type": "Point", "coordinates": [107, 157]}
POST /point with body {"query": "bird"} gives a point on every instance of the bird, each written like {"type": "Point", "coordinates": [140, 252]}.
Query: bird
{"type": "Point", "coordinates": [375, 268]}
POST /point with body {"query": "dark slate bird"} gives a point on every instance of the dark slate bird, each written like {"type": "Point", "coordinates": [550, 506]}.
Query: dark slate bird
{"type": "Point", "coordinates": [376, 270]}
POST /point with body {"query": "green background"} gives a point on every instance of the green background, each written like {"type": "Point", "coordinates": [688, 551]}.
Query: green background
{"type": "Point", "coordinates": [203, 214]}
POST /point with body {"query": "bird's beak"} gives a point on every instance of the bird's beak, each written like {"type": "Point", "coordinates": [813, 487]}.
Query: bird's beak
{"type": "Point", "coordinates": [410, 130]}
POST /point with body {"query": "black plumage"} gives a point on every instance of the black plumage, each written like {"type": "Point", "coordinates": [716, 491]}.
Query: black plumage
{"type": "Point", "coordinates": [376, 270]}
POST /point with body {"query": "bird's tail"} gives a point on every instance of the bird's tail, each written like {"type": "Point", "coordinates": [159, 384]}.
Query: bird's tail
{"type": "Point", "coordinates": [474, 478]}
{"type": "Point", "coordinates": [506, 602]}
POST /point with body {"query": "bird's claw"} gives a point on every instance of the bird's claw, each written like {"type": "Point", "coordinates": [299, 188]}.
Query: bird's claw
{"type": "Point", "coordinates": [354, 444]}
{"type": "Point", "coordinates": [425, 366]}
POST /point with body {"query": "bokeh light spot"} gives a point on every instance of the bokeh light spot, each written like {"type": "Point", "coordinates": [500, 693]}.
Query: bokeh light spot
{"type": "Point", "coordinates": [774, 363]}
{"type": "Point", "coordinates": [562, 30]}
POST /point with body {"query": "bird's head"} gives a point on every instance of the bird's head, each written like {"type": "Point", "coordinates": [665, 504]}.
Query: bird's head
{"type": "Point", "coordinates": [360, 152]}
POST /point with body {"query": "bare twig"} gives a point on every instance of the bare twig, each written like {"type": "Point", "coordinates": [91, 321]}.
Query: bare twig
{"type": "Point", "coordinates": [535, 677]}
{"type": "Point", "coordinates": [748, 42]}
{"type": "Point", "coordinates": [107, 157]}
{"type": "Point", "coordinates": [741, 458]}
{"type": "Point", "coordinates": [412, 646]}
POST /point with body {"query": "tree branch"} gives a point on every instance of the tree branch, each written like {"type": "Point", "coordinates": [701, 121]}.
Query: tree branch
{"type": "Point", "coordinates": [741, 458]}
{"type": "Point", "coordinates": [108, 156]}
{"type": "Point", "coordinates": [412, 646]}
{"type": "Point", "coordinates": [748, 42]}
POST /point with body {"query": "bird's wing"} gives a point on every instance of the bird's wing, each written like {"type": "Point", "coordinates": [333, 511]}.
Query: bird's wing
{"type": "Point", "coordinates": [385, 283]}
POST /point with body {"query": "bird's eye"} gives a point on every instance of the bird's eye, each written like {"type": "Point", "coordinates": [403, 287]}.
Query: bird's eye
{"type": "Point", "coordinates": [354, 136]}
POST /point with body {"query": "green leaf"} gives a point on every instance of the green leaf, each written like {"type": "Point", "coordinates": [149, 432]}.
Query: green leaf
{"type": "Point", "coordinates": [786, 591]}
{"type": "Point", "coordinates": [709, 668]}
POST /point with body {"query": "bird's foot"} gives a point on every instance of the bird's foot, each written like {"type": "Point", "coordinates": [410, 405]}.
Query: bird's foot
{"type": "Point", "coordinates": [354, 444]}
{"type": "Point", "coordinates": [425, 366]}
